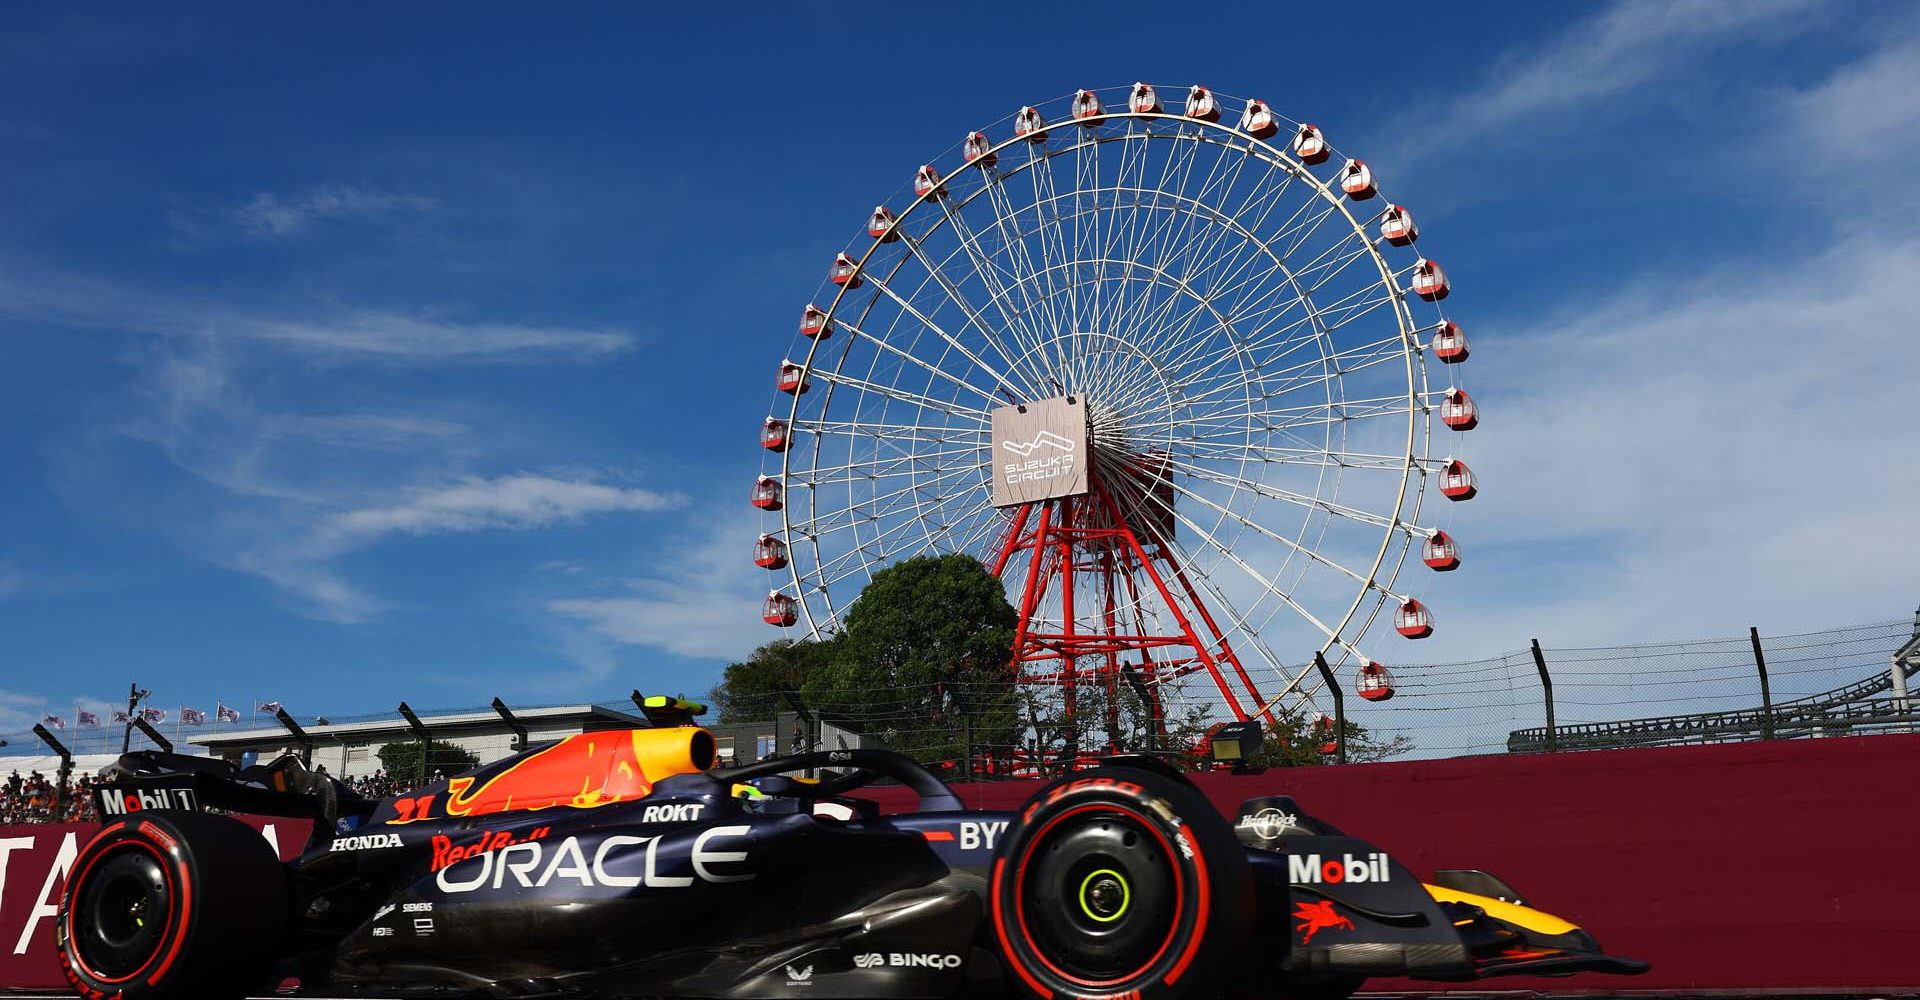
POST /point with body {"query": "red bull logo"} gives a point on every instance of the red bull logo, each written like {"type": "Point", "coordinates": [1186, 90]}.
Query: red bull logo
{"type": "Point", "coordinates": [580, 772]}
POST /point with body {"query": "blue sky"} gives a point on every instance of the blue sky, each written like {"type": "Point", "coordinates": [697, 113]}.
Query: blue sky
{"type": "Point", "coordinates": [417, 352]}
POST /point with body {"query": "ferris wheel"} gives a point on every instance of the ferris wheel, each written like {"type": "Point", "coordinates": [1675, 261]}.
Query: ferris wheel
{"type": "Point", "coordinates": [1167, 364]}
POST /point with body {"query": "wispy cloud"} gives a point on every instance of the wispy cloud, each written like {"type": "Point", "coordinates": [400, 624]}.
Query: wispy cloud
{"type": "Point", "coordinates": [1625, 47]}
{"type": "Point", "coordinates": [322, 331]}
{"type": "Point", "coordinates": [272, 215]}
{"type": "Point", "coordinates": [700, 604]}
{"type": "Point", "coordinates": [513, 502]}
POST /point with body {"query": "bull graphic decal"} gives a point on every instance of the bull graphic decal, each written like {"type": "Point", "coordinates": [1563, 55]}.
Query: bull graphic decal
{"type": "Point", "coordinates": [1317, 917]}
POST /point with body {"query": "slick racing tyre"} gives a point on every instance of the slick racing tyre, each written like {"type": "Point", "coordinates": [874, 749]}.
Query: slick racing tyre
{"type": "Point", "coordinates": [171, 906]}
{"type": "Point", "coordinates": [1120, 883]}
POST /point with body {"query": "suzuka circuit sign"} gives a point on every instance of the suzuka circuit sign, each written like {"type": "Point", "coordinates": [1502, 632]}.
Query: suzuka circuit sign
{"type": "Point", "coordinates": [1039, 451]}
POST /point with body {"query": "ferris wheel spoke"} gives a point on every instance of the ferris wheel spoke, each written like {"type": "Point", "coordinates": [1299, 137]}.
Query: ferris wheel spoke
{"type": "Point", "coordinates": [893, 350]}
{"type": "Point", "coordinates": [1008, 229]}
{"type": "Point", "coordinates": [1271, 587]}
{"type": "Point", "coordinates": [1329, 367]}
{"type": "Point", "coordinates": [866, 469]}
{"type": "Point", "coordinates": [941, 332]}
{"type": "Point", "coordinates": [1000, 295]}
{"type": "Point", "coordinates": [899, 395]}
{"type": "Point", "coordinates": [1238, 450]}
{"type": "Point", "coordinates": [1298, 499]}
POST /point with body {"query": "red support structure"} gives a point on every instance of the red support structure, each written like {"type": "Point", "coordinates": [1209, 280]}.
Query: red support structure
{"type": "Point", "coordinates": [1090, 535]}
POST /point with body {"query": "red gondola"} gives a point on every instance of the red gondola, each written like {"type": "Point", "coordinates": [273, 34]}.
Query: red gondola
{"type": "Point", "coordinates": [813, 323]}
{"type": "Point", "coordinates": [1458, 412]}
{"type": "Point", "coordinates": [1258, 120]}
{"type": "Point", "coordinates": [1144, 101]}
{"type": "Point", "coordinates": [766, 493]}
{"type": "Point", "coordinates": [1397, 226]}
{"type": "Point", "coordinates": [1440, 552]}
{"type": "Point", "coordinates": [1029, 125]}
{"type": "Point", "coordinates": [846, 271]}
{"type": "Point", "coordinates": [1085, 105]}
{"type": "Point", "coordinates": [927, 182]}
{"type": "Point", "coordinates": [880, 225]}
{"type": "Point", "coordinates": [1310, 145]}
{"type": "Point", "coordinates": [793, 379]}
{"type": "Point", "coordinates": [978, 150]}
{"type": "Point", "coordinates": [1357, 181]}
{"type": "Point", "coordinates": [1325, 736]}
{"type": "Point", "coordinates": [773, 435]}
{"type": "Point", "coordinates": [1456, 481]}
{"type": "Point", "coordinates": [770, 553]}
{"type": "Point", "coordinates": [1202, 104]}
{"type": "Point", "coordinates": [1429, 281]}
{"type": "Point", "coordinates": [1413, 620]}
{"type": "Point", "coordinates": [1449, 344]}
{"type": "Point", "coordinates": [1373, 681]}
{"type": "Point", "coordinates": [779, 610]}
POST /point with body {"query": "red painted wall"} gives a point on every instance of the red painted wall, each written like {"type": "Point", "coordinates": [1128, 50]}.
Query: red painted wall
{"type": "Point", "coordinates": [1741, 867]}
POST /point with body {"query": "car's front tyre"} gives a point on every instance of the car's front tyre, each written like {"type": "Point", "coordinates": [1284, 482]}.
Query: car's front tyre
{"type": "Point", "coordinates": [1120, 883]}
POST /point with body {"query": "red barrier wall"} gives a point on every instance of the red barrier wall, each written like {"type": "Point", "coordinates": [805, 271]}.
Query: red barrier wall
{"type": "Point", "coordinates": [1749, 866]}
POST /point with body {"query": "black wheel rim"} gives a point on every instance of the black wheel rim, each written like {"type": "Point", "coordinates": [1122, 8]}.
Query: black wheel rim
{"type": "Point", "coordinates": [1099, 896]}
{"type": "Point", "coordinates": [122, 914]}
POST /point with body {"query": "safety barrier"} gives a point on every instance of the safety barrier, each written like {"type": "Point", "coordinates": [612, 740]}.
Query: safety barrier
{"type": "Point", "coordinates": [1738, 867]}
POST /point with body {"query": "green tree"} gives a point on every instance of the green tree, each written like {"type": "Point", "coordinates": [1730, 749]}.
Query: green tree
{"type": "Point", "coordinates": [402, 760]}
{"type": "Point", "coordinates": [749, 691]}
{"type": "Point", "coordinates": [922, 659]}
{"type": "Point", "coordinates": [1295, 741]}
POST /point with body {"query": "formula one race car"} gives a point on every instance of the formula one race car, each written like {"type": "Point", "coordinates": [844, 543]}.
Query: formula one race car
{"type": "Point", "coordinates": [617, 864]}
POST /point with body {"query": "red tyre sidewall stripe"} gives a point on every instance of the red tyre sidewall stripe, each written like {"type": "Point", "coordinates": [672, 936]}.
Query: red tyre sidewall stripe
{"type": "Point", "coordinates": [1205, 892]}
{"type": "Point", "coordinates": [79, 880]}
{"type": "Point", "coordinates": [1006, 944]}
{"type": "Point", "coordinates": [1179, 894]}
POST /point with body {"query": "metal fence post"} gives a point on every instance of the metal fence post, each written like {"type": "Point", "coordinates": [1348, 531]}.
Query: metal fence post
{"type": "Point", "coordinates": [66, 770]}
{"type": "Point", "coordinates": [1766, 689]}
{"type": "Point", "coordinates": [1546, 688]}
{"type": "Point", "coordinates": [1339, 708]}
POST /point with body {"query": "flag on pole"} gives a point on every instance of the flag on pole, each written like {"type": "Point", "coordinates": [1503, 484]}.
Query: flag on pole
{"type": "Point", "coordinates": [55, 721]}
{"type": "Point", "coordinates": [268, 707]}
{"type": "Point", "coordinates": [221, 713]}
{"type": "Point", "coordinates": [154, 714]}
{"type": "Point", "coordinates": [192, 716]}
{"type": "Point", "coordinates": [119, 716]}
{"type": "Point", "coordinates": [88, 719]}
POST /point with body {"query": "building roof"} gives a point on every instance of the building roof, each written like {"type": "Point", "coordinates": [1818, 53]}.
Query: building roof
{"type": "Point", "coordinates": [436, 724]}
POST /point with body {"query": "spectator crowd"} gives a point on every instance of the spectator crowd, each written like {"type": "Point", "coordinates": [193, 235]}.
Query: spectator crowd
{"type": "Point", "coordinates": [32, 799]}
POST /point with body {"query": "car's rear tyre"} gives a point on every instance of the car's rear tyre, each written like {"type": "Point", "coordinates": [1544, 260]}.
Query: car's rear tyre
{"type": "Point", "coordinates": [168, 906]}
{"type": "Point", "coordinates": [1120, 883]}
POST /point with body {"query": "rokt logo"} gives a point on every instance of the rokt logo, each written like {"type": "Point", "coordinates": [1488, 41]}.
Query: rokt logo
{"type": "Point", "coordinates": [681, 813]}
{"type": "Point", "coordinates": [1046, 439]}
{"type": "Point", "coordinates": [1307, 869]}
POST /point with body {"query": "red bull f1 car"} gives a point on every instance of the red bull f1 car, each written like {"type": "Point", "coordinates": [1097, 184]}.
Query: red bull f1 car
{"type": "Point", "coordinates": [618, 863]}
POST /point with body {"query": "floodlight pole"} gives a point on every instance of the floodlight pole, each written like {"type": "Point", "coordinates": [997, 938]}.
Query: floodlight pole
{"type": "Point", "coordinates": [66, 768]}
{"type": "Point", "coordinates": [426, 739]}
{"type": "Point", "coordinates": [519, 731]}
{"type": "Point", "coordinates": [1339, 707]}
